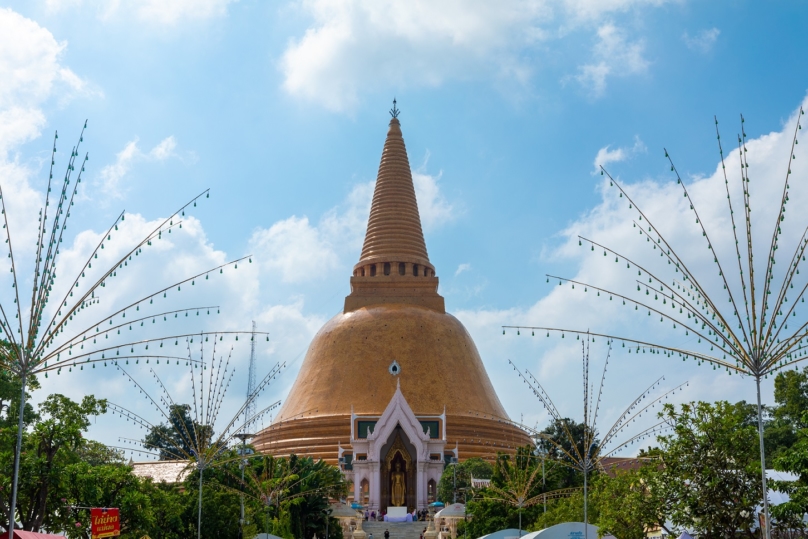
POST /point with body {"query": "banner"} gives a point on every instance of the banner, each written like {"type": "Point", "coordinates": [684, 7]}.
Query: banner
{"type": "Point", "coordinates": [106, 522]}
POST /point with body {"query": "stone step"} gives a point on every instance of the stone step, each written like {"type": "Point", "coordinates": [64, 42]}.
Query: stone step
{"type": "Point", "coordinates": [398, 530]}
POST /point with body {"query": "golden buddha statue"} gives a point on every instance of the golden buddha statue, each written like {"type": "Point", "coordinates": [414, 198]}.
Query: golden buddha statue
{"type": "Point", "coordinates": [398, 491]}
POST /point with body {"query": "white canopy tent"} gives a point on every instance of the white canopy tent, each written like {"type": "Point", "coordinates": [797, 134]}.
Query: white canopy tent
{"type": "Point", "coordinates": [567, 530]}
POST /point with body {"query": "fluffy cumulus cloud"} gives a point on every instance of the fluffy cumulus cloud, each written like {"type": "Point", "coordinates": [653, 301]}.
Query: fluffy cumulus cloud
{"type": "Point", "coordinates": [298, 250]}
{"type": "Point", "coordinates": [556, 361]}
{"type": "Point", "coordinates": [112, 174]}
{"type": "Point", "coordinates": [34, 76]}
{"type": "Point", "coordinates": [32, 73]}
{"type": "Point", "coordinates": [433, 206]}
{"type": "Point", "coordinates": [162, 12]}
{"type": "Point", "coordinates": [608, 155]}
{"type": "Point", "coordinates": [354, 46]}
{"type": "Point", "coordinates": [614, 56]}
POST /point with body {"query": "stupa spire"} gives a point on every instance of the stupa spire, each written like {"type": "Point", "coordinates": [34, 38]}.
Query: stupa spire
{"type": "Point", "coordinates": [394, 231]}
{"type": "Point", "coordinates": [394, 265]}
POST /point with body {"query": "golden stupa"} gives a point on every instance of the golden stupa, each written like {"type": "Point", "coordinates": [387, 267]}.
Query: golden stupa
{"type": "Point", "coordinates": [393, 329]}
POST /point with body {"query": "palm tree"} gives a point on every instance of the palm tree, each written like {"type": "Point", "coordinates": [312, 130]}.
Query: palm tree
{"type": "Point", "coordinates": [289, 484]}
{"type": "Point", "coordinates": [520, 481]}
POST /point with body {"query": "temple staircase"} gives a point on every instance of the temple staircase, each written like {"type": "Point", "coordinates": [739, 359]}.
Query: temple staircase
{"type": "Point", "coordinates": [398, 530]}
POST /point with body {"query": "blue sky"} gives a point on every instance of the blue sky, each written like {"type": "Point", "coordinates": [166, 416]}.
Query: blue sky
{"type": "Point", "coordinates": [280, 108]}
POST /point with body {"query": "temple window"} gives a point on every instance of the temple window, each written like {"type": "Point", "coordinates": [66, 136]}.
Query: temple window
{"type": "Point", "coordinates": [415, 270]}
{"type": "Point", "coordinates": [373, 270]}
{"type": "Point", "coordinates": [425, 271]}
{"type": "Point", "coordinates": [387, 268]}
{"type": "Point", "coordinates": [363, 272]}
{"type": "Point", "coordinates": [402, 268]}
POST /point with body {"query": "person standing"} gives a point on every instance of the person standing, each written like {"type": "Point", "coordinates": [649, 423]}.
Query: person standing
{"type": "Point", "coordinates": [386, 534]}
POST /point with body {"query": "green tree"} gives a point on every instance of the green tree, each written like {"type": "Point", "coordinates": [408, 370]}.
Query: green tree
{"type": "Point", "coordinates": [791, 396]}
{"type": "Point", "coordinates": [48, 449]}
{"type": "Point", "coordinates": [793, 460]}
{"type": "Point", "coordinates": [516, 482]}
{"type": "Point", "coordinates": [288, 497]}
{"type": "Point", "coordinates": [709, 470]}
{"type": "Point", "coordinates": [558, 441]}
{"type": "Point", "coordinates": [142, 504]}
{"type": "Point", "coordinates": [462, 473]}
{"type": "Point", "coordinates": [630, 503]}
{"type": "Point", "coordinates": [177, 438]}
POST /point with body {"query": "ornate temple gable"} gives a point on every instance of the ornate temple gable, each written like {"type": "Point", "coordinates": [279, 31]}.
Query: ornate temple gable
{"type": "Point", "coordinates": [398, 412]}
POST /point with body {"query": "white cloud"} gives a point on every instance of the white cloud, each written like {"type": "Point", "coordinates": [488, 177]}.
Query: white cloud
{"type": "Point", "coordinates": [606, 155]}
{"type": "Point", "coordinates": [594, 10]}
{"type": "Point", "coordinates": [556, 361]}
{"type": "Point", "coordinates": [295, 248]}
{"type": "Point", "coordinates": [703, 41]}
{"type": "Point", "coordinates": [173, 11]}
{"type": "Point", "coordinates": [355, 46]}
{"type": "Point", "coordinates": [19, 125]}
{"type": "Point", "coordinates": [435, 210]}
{"type": "Point", "coordinates": [164, 149]}
{"type": "Point", "coordinates": [164, 12]}
{"type": "Point", "coordinates": [461, 268]}
{"type": "Point", "coordinates": [111, 175]}
{"type": "Point", "coordinates": [299, 251]}
{"type": "Point", "coordinates": [32, 74]}
{"type": "Point", "coordinates": [29, 63]}
{"type": "Point", "coordinates": [614, 56]}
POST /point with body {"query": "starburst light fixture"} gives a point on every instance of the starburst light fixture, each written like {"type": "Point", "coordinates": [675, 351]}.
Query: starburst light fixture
{"type": "Point", "coordinates": [192, 437]}
{"type": "Point", "coordinates": [742, 317]}
{"type": "Point", "coordinates": [589, 451]}
{"type": "Point", "coordinates": [58, 329]}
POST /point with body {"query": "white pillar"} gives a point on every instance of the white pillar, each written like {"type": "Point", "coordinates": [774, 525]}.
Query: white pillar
{"type": "Point", "coordinates": [375, 486]}
{"type": "Point", "coordinates": [357, 485]}
{"type": "Point", "coordinates": [422, 484]}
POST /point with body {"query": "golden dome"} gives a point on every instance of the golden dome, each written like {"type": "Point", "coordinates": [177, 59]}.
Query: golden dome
{"type": "Point", "coordinates": [347, 368]}
{"type": "Point", "coordinates": [394, 317]}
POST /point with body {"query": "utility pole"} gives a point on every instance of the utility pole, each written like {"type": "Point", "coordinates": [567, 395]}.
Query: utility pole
{"type": "Point", "coordinates": [454, 479]}
{"type": "Point", "coordinates": [249, 412]}
{"type": "Point", "coordinates": [243, 436]}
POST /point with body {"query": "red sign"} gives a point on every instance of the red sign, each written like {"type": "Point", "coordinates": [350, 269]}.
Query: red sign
{"type": "Point", "coordinates": [105, 523]}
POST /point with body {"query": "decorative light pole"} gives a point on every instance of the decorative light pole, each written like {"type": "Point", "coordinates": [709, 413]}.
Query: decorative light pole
{"type": "Point", "coordinates": [196, 442]}
{"type": "Point", "coordinates": [542, 453]}
{"type": "Point", "coordinates": [587, 453]}
{"type": "Point", "coordinates": [243, 436]}
{"type": "Point", "coordinates": [55, 330]}
{"type": "Point", "coordinates": [743, 320]}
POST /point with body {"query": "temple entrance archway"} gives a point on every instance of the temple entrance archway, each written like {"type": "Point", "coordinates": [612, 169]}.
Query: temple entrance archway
{"type": "Point", "coordinates": [398, 472]}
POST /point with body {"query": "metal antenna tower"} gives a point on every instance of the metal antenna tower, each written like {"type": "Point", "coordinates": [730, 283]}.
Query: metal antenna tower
{"type": "Point", "coordinates": [250, 411]}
